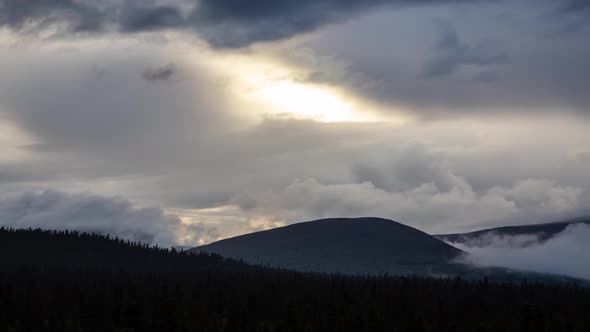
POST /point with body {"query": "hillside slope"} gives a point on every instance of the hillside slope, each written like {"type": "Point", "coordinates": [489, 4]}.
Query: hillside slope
{"type": "Point", "coordinates": [541, 232]}
{"type": "Point", "coordinates": [340, 245]}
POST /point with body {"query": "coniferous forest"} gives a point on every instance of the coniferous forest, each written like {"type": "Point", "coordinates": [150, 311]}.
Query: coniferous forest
{"type": "Point", "coordinates": [68, 281]}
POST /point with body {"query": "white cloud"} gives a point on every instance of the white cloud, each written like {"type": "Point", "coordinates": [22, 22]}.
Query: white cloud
{"type": "Point", "coordinates": [420, 186]}
{"type": "Point", "coordinates": [90, 213]}
{"type": "Point", "coordinates": [424, 206]}
{"type": "Point", "coordinates": [566, 253]}
{"type": "Point", "coordinates": [543, 195]}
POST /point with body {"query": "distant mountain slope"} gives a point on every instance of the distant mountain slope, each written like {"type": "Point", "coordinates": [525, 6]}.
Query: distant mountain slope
{"type": "Point", "coordinates": [542, 232]}
{"type": "Point", "coordinates": [343, 245]}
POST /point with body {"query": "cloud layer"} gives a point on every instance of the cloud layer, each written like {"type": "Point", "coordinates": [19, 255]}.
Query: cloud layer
{"type": "Point", "coordinates": [223, 23]}
{"type": "Point", "coordinates": [182, 144]}
{"type": "Point", "coordinates": [480, 108]}
{"type": "Point", "coordinates": [460, 60]}
{"type": "Point", "coordinates": [565, 254]}
{"type": "Point", "coordinates": [90, 213]}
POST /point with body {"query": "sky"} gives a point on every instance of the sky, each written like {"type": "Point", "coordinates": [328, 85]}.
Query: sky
{"type": "Point", "coordinates": [180, 122]}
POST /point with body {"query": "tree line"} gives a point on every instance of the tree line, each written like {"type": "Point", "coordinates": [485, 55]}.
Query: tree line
{"type": "Point", "coordinates": [69, 281]}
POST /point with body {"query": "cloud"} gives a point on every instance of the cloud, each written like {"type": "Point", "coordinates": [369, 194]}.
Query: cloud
{"type": "Point", "coordinates": [234, 23]}
{"type": "Point", "coordinates": [160, 74]}
{"type": "Point", "coordinates": [111, 114]}
{"type": "Point", "coordinates": [574, 5]}
{"type": "Point", "coordinates": [512, 47]}
{"type": "Point", "coordinates": [88, 122]}
{"type": "Point", "coordinates": [97, 214]}
{"type": "Point", "coordinates": [429, 185]}
{"type": "Point", "coordinates": [139, 17]}
{"type": "Point", "coordinates": [543, 194]}
{"type": "Point", "coordinates": [486, 76]}
{"type": "Point", "coordinates": [495, 240]}
{"type": "Point", "coordinates": [177, 146]}
{"type": "Point", "coordinates": [223, 23]}
{"type": "Point", "coordinates": [565, 254]}
{"type": "Point", "coordinates": [83, 16]}
{"type": "Point", "coordinates": [80, 16]}
{"type": "Point", "coordinates": [423, 204]}
{"type": "Point", "coordinates": [451, 54]}
{"type": "Point", "coordinates": [571, 16]}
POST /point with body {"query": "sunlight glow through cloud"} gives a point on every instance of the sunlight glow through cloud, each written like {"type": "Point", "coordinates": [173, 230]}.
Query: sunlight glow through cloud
{"type": "Point", "coordinates": [304, 101]}
{"type": "Point", "coordinates": [274, 88]}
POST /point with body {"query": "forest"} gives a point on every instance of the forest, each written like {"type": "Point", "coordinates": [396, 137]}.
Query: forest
{"type": "Point", "coordinates": [69, 281]}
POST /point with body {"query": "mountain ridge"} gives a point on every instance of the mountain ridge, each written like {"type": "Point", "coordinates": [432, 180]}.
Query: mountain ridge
{"type": "Point", "coordinates": [363, 246]}
{"type": "Point", "coordinates": [542, 231]}
{"type": "Point", "coordinates": [342, 245]}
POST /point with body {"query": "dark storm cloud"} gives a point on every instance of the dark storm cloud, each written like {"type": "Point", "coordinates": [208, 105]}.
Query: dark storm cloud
{"type": "Point", "coordinates": [80, 16]}
{"type": "Point", "coordinates": [234, 23]}
{"type": "Point", "coordinates": [223, 23]}
{"type": "Point", "coordinates": [89, 16]}
{"type": "Point", "coordinates": [137, 19]}
{"type": "Point", "coordinates": [451, 54]}
{"type": "Point", "coordinates": [160, 74]}
{"type": "Point", "coordinates": [572, 16]}
{"type": "Point", "coordinates": [573, 6]}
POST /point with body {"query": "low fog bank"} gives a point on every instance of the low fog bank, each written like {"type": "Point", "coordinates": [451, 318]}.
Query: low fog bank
{"type": "Point", "coordinates": [566, 253]}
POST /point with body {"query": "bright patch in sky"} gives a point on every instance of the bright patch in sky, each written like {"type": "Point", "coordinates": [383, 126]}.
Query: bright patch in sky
{"type": "Point", "coordinates": [303, 101]}
{"type": "Point", "coordinates": [12, 141]}
{"type": "Point", "coordinates": [276, 89]}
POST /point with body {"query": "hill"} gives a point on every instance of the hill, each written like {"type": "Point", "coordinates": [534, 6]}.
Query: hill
{"type": "Point", "coordinates": [343, 245]}
{"type": "Point", "coordinates": [537, 232]}
{"type": "Point", "coordinates": [362, 246]}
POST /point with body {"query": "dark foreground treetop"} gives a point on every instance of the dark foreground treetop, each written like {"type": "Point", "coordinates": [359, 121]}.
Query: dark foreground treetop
{"type": "Point", "coordinates": [64, 281]}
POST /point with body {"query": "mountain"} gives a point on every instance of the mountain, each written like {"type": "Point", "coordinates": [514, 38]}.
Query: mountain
{"type": "Point", "coordinates": [340, 245]}
{"type": "Point", "coordinates": [363, 246]}
{"type": "Point", "coordinates": [537, 232]}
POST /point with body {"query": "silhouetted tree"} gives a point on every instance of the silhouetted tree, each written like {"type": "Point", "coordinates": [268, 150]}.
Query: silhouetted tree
{"type": "Point", "coordinates": [68, 281]}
